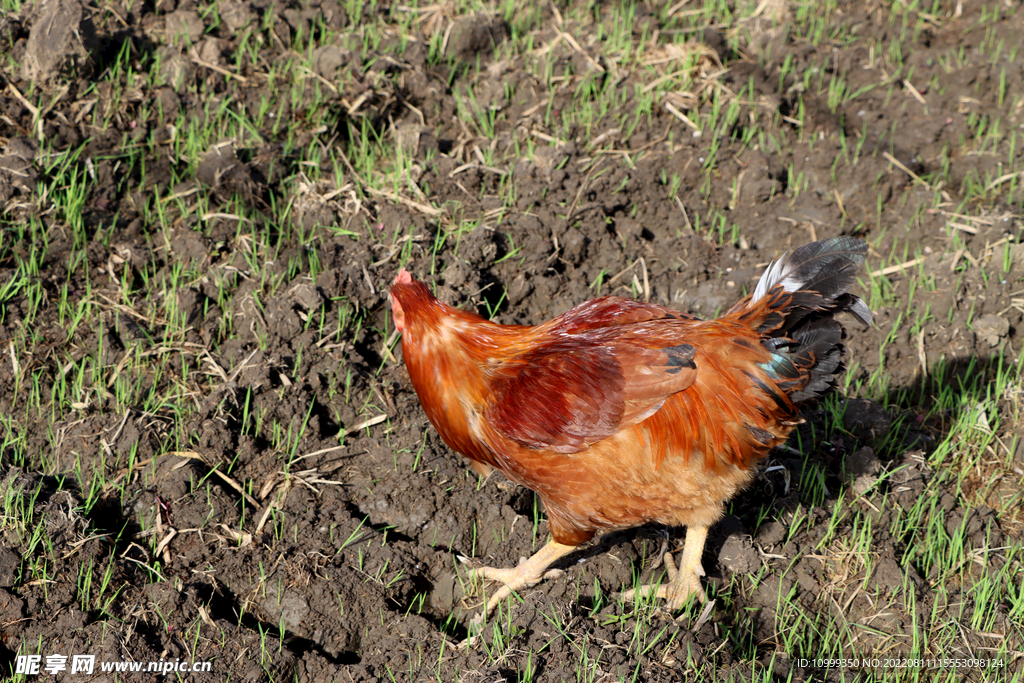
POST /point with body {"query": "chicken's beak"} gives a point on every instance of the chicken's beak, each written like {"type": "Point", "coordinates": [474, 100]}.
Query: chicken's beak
{"type": "Point", "coordinates": [402, 278]}
{"type": "Point", "coordinates": [397, 313]}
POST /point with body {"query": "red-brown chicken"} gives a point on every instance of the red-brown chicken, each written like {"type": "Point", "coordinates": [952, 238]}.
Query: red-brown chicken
{"type": "Point", "coordinates": [619, 413]}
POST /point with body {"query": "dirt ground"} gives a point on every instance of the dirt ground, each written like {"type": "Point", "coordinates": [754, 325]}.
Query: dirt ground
{"type": "Point", "coordinates": [213, 542]}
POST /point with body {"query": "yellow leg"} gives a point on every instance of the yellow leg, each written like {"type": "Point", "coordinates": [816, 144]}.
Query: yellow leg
{"type": "Point", "coordinates": [527, 574]}
{"type": "Point", "coordinates": [685, 581]}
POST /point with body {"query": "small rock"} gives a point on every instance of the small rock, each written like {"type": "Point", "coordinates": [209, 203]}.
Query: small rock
{"type": "Point", "coordinates": [17, 172]}
{"type": "Point", "coordinates": [887, 574]}
{"type": "Point", "coordinates": [209, 51]}
{"type": "Point", "coordinates": [26, 148]}
{"type": "Point", "coordinates": [806, 577]}
{"type": "Point", "coordinates": [10, 563]}
{"type": "Point", "coordinates": [760, 190]}
{"type": "Point", "coordinates": [215, 165]}
{"type": "Point", "coordinates": [771, 533]}
{"type": "Point", "coordinates": [428, 145]}
{"type": "Point", "coordinates": [866, 419]}
{"type": "Point", "coordinates": [305, 294]}
{"type": "Point", "coordinates": [290, 608]}
{"type": "Point", "coordinates": [334, 15]}
{"type": "Point", "coordinates": [283, 32]}
{"type": "Point", "coordinates": [295, 19]}
{"type": "Point", "coordinates": [12, 608]}
{"type": "Point", "coordinates": [474, 34]}
{"type": "Point", "coordinates": [328, 59]}
{"type": "Point", "coordinates": [62, 36]}
{"type": "Point", "coordinates": [738, 554]}
{"type": "Point", "coordinates": [408, 135]}
{"type": "Point", "coordinates": [236, 15]}
{"type": "Point", "coordinates": [1017, 256]}
{"type": "Point", "coordinates": [311, 210]}
{"type": "Point", "coordinates": [991, 328]}
{"type": "Point", "coordinates": [168, 103]}
{"type": "Point", "coordinates": [773, 589]}
{"type": "Point", "coordinates": [862, 468]}
{"type": "Point", "coordinates": [223, 172]}
{"type": "Point", "coordinates": [457, 273]}
{"type": "Point", "coordinates": [520, 288]}
{"type": "Point", "coordinates": [183, 25]}
{"type": "Point", "coordinates": [444, 592]}
{"type": "Point", "coordinates": [176, 70]}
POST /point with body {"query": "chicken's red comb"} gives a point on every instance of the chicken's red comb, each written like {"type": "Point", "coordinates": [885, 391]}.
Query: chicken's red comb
{"type": "Point", "coordinates": [403, 277]}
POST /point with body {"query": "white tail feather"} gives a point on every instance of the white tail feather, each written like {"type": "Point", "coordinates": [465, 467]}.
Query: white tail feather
{"type": "Point", "coordinates": [772, 275]}
{"type": "Point", "coordinates": [818, 265]}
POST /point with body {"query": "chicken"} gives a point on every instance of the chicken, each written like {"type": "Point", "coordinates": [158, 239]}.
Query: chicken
{"type": "Point", "coordinates": [618, 412]}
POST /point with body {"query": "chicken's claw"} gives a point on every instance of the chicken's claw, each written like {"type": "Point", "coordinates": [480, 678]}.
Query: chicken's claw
{"type": "Point", "coordinates": [514, 579]}
{"type": "Point", "coordinates": [526, 574]}
{"type": "Point", "coordinates": [682, 582]}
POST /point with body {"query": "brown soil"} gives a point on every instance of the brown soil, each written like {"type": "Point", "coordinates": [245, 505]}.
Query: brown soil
{"type": "Point", "coordinates": [345, 568]}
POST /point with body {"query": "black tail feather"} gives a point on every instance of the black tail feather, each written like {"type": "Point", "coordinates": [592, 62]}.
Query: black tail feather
{"type": "Point", "coordinates": [827, 267]}
{"type": "Point", "coordinates": [804, 291]}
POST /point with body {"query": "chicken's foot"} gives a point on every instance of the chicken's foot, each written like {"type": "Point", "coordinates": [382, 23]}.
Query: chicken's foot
{"type": "Point", "coordinates": [526, 575]}
{"type": "Point", "coordinates": [682, 582]}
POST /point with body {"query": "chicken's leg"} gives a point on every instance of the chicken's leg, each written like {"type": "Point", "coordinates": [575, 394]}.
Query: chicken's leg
{"type": "Point", "coordinates": [685, 581]}
{"type": "Point", "coordinates": [528, 573]}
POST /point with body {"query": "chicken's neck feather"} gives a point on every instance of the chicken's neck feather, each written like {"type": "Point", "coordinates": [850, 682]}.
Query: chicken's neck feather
{"type": "Point", "coordinates": [452, 361]}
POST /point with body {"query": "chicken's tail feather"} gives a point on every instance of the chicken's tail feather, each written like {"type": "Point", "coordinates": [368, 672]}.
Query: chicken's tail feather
{"type": "Point", "coordinates": [793, 306]}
